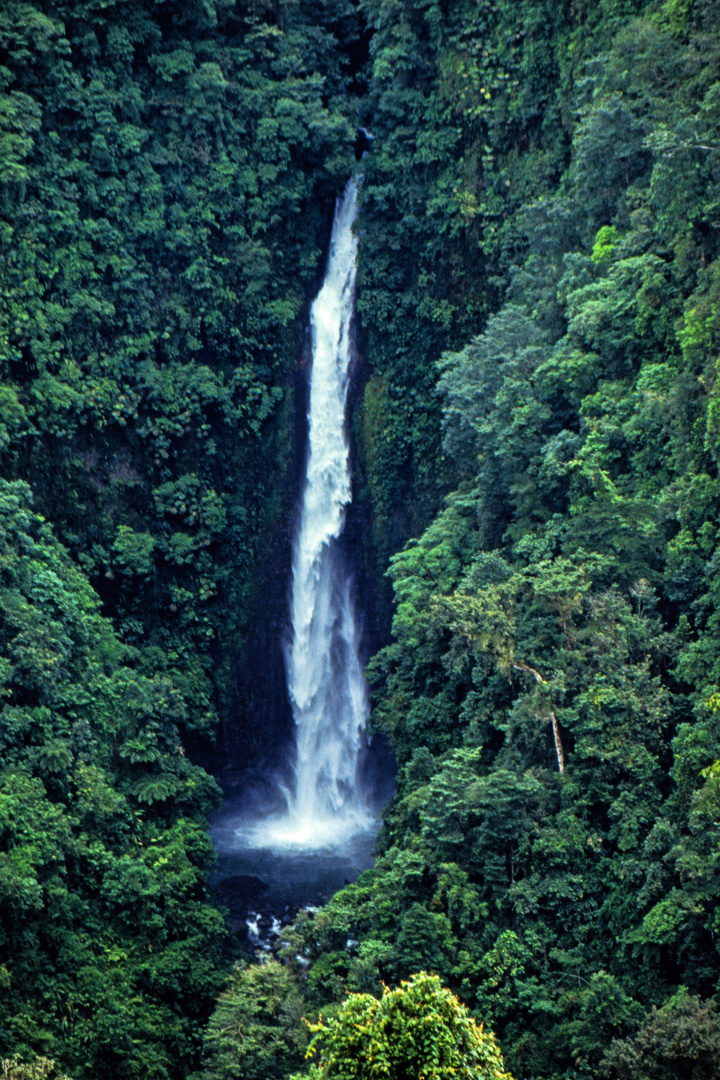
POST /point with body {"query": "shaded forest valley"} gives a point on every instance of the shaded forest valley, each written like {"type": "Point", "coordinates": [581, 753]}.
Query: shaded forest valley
{"type": "Point", "coordinates": [536, 443]}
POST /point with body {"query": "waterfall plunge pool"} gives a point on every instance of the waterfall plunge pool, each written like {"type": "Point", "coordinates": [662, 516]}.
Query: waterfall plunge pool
{"type": "Point", "coordinates": [264, 881]}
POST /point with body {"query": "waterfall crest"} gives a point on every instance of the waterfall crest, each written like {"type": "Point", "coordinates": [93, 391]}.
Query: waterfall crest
{"type": "Point", "coordinates": [325, 679]}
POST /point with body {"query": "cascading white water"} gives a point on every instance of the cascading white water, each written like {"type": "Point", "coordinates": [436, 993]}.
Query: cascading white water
{"type": "Point", "coordinates": [326, 684]}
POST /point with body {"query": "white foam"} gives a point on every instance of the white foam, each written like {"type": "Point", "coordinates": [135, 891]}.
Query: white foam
{"type": "Point", "coordinates": [285, 832]}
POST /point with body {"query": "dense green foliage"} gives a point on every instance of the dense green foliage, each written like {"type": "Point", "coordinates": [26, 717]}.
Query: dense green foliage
{"type": "Point", "coordinates": [419, 1030]}
{"type": "Point", "coordinates": [155, 160]}
{"type": "Point", "coordinates": [257, 1029]}
{"type": "Point", "coordinates": [539, 301]}
{"type": "Point", "coordinates": [680, 1039]}
{"type": "Point", "coordinates": [551, 687]}
{"type": "Point", "coordinates": [41, 1068]}
{"type": "Point", "coordinates": [109, 946]}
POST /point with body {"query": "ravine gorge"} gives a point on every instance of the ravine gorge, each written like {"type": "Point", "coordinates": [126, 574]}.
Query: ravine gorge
{"type": "Point", "coordinates": [525, 623]}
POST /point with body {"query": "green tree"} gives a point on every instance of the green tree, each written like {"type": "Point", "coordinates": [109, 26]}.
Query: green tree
{"type": "Point", "coordinates": [256, 1031]}
{"type": "Point", "coordinates": [419, 1030]}
{"type": "Point", "coordinates": [40, 1069]}
{"type": "Point", "coordinates": [680, 1039]}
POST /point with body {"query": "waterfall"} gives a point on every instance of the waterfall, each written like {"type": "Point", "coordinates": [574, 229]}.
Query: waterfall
{"type": "Point", "coordinates": [326, 685]}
